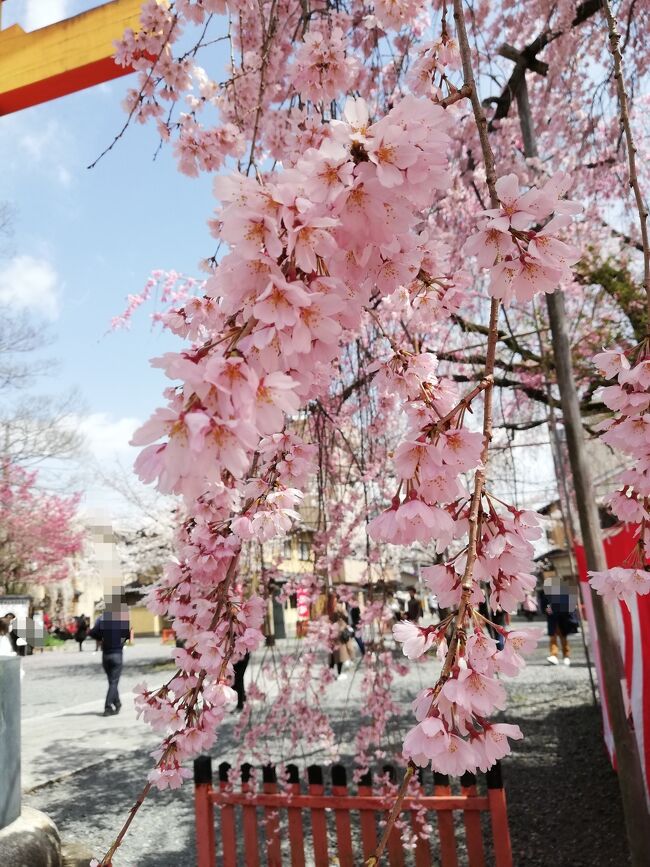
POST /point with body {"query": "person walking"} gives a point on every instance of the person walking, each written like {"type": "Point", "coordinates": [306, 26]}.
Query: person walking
{"type": "Point", "coordinates": [81, 634]}
{"type": "Point", "coordinates": [238, 682]}
{"type": "Point", "coordinates": [355, 624]}
{"type": "Point", "coordinates": [112, 629]}
{"type": "Point", "coordinates": [529, 607]}
{"type": "Point", "coordinates": [559, 604]}
{"type": "Point", "coordinates": [10, 620]}
{"type": "Point", "coordinates": [395, 608]}
{"type": "Point", "coordinates": [6, 644]}
{"type": "Point", "coordinates": [341, 654]}
{"type": "Point", "coordinates": [413, 607]}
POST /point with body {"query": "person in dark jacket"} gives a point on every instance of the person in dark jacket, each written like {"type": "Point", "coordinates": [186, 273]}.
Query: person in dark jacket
{"type": "Point", "coordinates": [354, 616]}
{"type": "Point", "coordinates": [82, 630]}
{"type": "Point", "coordinates": [112, 629]}
{"type": "Point", "coordinates": [498, 618]}
{"type": "Point", "coordinates": [238, 683]}
{"type": "Point", "coordinates": [10, 619]}
{"type": "Point", "coordinates": [413, 606]}
{"type": "Point", "coordinates": [558, 601]}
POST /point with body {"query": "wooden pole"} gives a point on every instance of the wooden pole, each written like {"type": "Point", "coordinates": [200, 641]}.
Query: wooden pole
{"type": "Point", "coordinates": [630, 777]}
{"type": "Point", "coordinates": [567, 504]}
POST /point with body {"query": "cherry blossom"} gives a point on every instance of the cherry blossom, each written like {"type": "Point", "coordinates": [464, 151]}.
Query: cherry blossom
{"type": "Point", "coordinates": [492, 744]}
{"type": "Point", "coordinates": [350, 223]}
{"type": "Point", "coordinates": [41, 534]}
{"type": "Point", "coordinates": [415, 641]}
{"type": "Point", "coordinates": [524, 260]}
{"type": "Point", "coordinates": [628, 431]}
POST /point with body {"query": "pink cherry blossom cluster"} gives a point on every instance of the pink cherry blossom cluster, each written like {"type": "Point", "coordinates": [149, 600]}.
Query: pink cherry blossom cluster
{"type": "Point", "coordinates": [432, 60]}
{"type": "Point", "coordinates": [200, 592]}
{"type": "Point", "coordinates": [379, 673]}
{"type": "Point", "coordinates": [278, 51]}
{"type": "Point", "coordinates": [199, 149]}
{"type": "Point", "coordinates": [629, 432]}
{"type": "Point", "coordinates": [432, 502]}
{"type": "Point", "coordinates": [289, 289]}
{"type": "Point", "coordinates": [217, 626]}
{"type": "Point", "coordinates": [452, 732]}
{"type": "Point", "coordinates": [289, 698]}
{"type": "Point", "coordinates": [503, 563]}
{"type": "Point", "coordinates": [267, 334]}
{"type": "Point", "coordinates": [165, 288]}
{"type": "Point", "coordinates": [321, 68]}
{"type": "Point", "coordinates": [432, 507]}
{"type": "Point", "coordinates": [40, 531]}
{"type": "Point", "coordinates": [436, 452]}
{"type": "Point", "coordinates": [525, 260]}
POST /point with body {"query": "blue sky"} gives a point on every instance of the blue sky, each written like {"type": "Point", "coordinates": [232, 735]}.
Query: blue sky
{"type": "Point", "coordinates": [84, 239]}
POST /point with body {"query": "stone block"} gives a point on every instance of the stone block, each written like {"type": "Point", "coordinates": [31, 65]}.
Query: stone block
{"type": "Point", "coordinates": [31, 841]}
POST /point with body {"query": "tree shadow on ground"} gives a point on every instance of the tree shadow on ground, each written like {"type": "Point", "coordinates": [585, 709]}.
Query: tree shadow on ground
{"type": "Point", "coordinates": [92, 805]}
{"type": "Point", "coordinates": [564, 804]}
{"type": "Point", "coordinates": [131, 667]}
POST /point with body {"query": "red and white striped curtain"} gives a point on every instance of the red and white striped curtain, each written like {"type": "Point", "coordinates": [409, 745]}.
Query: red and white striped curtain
{"type": "Point", "coordinates": [634, 635]}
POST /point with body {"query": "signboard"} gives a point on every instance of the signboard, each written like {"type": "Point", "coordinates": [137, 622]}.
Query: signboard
{"type": "Point", "coordinates": [303, 604]}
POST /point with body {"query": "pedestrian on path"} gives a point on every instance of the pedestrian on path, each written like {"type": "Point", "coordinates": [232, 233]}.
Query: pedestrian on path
{"type": "Point", "coordinates": [81, 634]}
{"type": "Point", "coordinates": [559, 604]}
{"type": "Point", "coordinates": [17, 637]}
{"type": "Point", "coordinates": [414, 607]}
{"type": "Point", "coordinates": [529, 607]}
{"type": "Point", "coordinates": [6, 644]}
{"type": "Point", "coordinates": [354, 615]}
{"type": "Point", "coordinates": [112, 629]}
{"type": "Point", "coordinates": [341, 655]}
{"type": "Point", "coordinates": [238, 683]}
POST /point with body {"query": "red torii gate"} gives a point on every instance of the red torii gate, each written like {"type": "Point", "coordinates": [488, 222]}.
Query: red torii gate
{"type": "Point", "coordinates": [64, 57]}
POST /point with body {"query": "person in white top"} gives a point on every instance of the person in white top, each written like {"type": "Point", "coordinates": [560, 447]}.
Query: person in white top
{"type": "Point", "coordinates": [6, 646]}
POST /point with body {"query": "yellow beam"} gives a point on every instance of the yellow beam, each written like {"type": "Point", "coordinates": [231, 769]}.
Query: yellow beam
{"type": "Point", "coordinates": [65, 57]}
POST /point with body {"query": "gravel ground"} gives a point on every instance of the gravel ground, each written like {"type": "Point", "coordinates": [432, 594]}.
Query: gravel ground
{"type": "Point", "coordinates": [564, 805]}
{"type": "Point", "coordinates": [563, 800]}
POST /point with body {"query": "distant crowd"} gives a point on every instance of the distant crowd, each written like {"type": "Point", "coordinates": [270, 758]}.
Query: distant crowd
{"type": "Point", "coordinates": [21, 637]}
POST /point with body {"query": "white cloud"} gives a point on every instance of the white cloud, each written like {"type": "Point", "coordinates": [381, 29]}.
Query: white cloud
{"type": "Point", "coordinates": [51, 150]}
{"type": "Point", "coordinates": [37, 143]}
{"type": "Point", "coordinates": [111, 488]}
{"type": "Point", "coordinates": [63, 176]}
{"type": "Point", "coordinates": [40, 13]}
{"type": "Point", "coordinates": [32, 284]}
{"type": "Point", "coordinates": [107, 439]}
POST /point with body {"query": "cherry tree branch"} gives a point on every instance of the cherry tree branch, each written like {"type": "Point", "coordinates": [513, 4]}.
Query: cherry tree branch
{"type": "Point", "coordinates": [106, 860]}
{"type": "Point", "coordinates": [456, 96]}
{"type": "Point", "coordinates": [136, 104]}
{"type": "Point", "coordinates": [480, 475]}
{"type": "Point", "coordinates": [584, 11]}
{"type": "Point", "coordinates": [615, 50]}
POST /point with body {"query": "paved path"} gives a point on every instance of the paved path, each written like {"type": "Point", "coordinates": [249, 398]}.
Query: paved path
{"type": "Point", "coordinates": [86, 771]}
{"type": "Point", "coordinates": [63, 727]}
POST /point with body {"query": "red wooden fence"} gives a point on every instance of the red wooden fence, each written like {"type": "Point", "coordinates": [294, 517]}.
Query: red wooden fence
{"type": "Point", "coordinates": [258, 827]}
